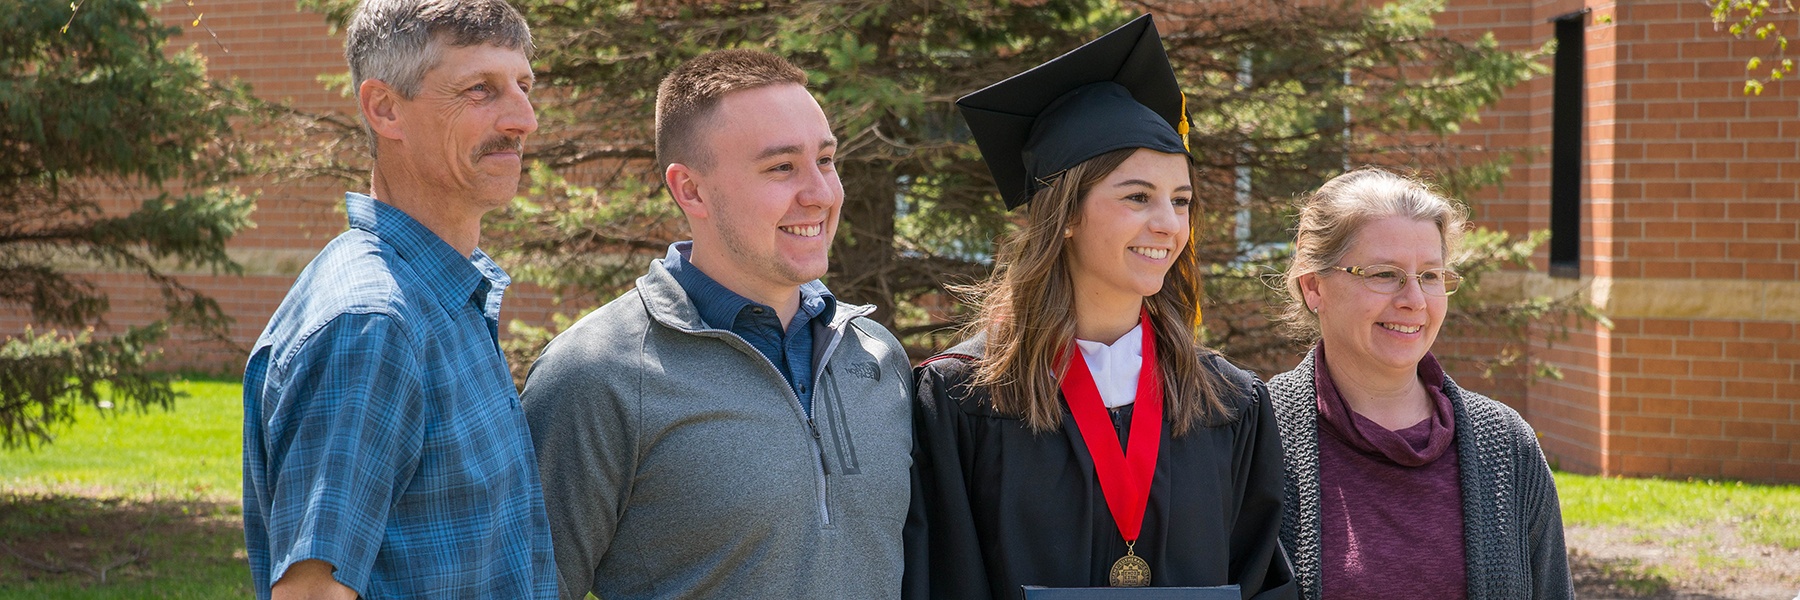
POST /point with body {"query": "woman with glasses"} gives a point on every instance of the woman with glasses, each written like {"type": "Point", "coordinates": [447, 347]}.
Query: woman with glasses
{"type": "Point", "coordinates": [1400, 484]}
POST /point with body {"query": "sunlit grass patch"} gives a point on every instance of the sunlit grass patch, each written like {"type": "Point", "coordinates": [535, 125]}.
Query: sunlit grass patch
{"type": "Point", "coordinates": [193, 451]}
{"type": "Point", "coordinates": [1765, 514]}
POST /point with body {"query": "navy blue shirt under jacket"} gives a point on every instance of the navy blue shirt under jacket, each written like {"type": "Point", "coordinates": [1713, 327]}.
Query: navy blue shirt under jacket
{"type": "Point", "coordinates": [790, 351]}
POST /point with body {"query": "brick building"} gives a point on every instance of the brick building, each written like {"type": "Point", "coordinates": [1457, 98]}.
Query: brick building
{"type": "Point", "coordinates": [1673, 199]}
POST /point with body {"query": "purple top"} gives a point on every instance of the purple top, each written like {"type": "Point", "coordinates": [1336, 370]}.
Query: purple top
{"type": "Point", "coordinates": [1390, 501]}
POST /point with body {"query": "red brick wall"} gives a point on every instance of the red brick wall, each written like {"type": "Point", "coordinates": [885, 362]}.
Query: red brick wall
{"type": "Point", "coordinates": [1707, 397]}
{"type": "Point", "coordinates": [1703, 196]}
{"type": "Point", "coordinates": [1570, 413]}
{"type": "Point", "coordinates": [1690, 239]}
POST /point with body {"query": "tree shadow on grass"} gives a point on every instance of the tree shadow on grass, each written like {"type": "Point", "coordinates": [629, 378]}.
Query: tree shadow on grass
{"type": "Point", "coordinates": [64, 540]}
{"type": "Point", "coordinates": [1621, 578]}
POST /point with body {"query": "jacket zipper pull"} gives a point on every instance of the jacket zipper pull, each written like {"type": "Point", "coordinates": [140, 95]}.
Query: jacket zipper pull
{"type": "Point", "coordinates": [818, 442]}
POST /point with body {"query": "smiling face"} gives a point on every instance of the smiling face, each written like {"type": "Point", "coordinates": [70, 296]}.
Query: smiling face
{"type": "Point", "coordinates": [765, 207]}
{"type": "Point", "coordinates": [1372, 332]}
{"type": "Point", "coordinates": [1130, 228]}
{"type": "Point", "coordinates": [460, 138]}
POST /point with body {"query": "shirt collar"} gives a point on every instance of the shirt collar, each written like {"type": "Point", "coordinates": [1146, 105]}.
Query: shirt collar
{"type": "Point", "coordinates": [493, 284]}
{"type": "Point", "coordinates": [452, 278]}
{"type": "Point", "coordinates": [1116, 367]}
{"type": "Point", "coordinates": [1368, 437]}
{"type": "Point", "coordinates": [817, 303]}
{"type": "Point", "coordinates": [719, 306]}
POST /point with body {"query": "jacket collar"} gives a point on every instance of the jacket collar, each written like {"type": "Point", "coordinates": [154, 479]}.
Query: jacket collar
{"type": "Point", "coordinates": [668, 303]}
{"type": "Point", "coordinates": [719, 306]}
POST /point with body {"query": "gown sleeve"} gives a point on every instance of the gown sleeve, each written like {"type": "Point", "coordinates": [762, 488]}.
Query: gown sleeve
{"type": "Point", "coordinates": [1257, 561]}
{"type": "Point", "coordinates": [943, 552]}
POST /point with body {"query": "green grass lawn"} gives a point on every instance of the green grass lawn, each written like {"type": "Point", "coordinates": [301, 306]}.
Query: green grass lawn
{"type": "Point", "coordinates": [128, 504]}
{"type": "Point", "coordinates": [192, 452]}
{"type": "Point", "coordinates": [1765, 514]}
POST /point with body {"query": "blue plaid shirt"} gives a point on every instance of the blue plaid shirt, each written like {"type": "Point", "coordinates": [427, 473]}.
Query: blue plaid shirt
{"type": "Point", "coordinates": [382, 431]}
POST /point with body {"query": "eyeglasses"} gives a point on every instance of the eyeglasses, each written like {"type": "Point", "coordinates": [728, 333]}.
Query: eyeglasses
{"type": "Point", "coordinates": [1389, 279]}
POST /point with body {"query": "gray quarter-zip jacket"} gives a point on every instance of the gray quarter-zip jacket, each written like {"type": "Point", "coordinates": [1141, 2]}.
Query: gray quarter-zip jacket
{"type": "Point", "coordinates": [678, 463]}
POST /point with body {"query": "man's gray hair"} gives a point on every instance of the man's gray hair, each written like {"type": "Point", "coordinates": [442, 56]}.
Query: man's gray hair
{"type": "Point", "coordinates": [392, 40]}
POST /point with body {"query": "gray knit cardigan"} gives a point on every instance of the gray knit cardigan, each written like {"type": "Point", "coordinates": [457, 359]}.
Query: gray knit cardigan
{"type": "Point", "coordinates": [1512, 524]}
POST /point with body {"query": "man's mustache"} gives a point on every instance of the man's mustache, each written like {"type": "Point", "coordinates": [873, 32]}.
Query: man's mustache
{"type": "Point", "coordinates": [502, 144]}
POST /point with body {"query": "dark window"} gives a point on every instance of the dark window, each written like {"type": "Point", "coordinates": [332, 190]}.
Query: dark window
{"type": "Point", "coordinates": [1565, 145]}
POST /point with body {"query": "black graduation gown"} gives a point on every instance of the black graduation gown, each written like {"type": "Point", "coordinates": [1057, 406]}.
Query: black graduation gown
{"type": "Point", "coordinates": [995, 506]}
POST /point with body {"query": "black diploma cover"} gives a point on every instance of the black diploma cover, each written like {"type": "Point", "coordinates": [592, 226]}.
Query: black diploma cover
{"type": "Point", "coordinates": [1223, 592]}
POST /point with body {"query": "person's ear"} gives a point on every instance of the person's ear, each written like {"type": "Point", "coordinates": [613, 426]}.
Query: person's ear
{"type": "Point", "coordinates": [1310, 292]}
{"type": "Point", "coordinates": [380, 108]}
{"type": "Point", "coordinates": [684, 187]}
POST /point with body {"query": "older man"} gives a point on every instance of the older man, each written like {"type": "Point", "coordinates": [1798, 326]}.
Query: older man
{"type": "Point", "coordinates": [385, 453]}
{"type": "Point", "coordinates": [729, 429]}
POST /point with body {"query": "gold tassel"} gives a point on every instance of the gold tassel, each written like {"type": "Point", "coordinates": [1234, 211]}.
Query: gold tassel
{"type": "Point", "coordinates": [1182, 128]}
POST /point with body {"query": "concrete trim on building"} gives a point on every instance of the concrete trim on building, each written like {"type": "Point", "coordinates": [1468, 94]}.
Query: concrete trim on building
{"type": "Point", "coordinates": [1648, 298]}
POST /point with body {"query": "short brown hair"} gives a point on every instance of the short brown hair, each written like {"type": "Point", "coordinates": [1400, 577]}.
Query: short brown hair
{"type": "Point", "coordinates": [687, 97]}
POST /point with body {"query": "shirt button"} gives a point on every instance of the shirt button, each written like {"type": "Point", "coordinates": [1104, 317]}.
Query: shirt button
{"type": "Point", "coordinates": [756, 310]}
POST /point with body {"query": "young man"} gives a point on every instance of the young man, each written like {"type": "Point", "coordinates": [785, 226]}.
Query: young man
{"type": "Point", "coordinates": [728, 429]}
{"type": "Point", "coordinates": [385, 453]}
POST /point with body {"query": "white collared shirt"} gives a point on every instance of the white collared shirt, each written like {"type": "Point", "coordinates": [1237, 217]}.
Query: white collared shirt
{"type": "Point", "coordinates": [1115, 366]}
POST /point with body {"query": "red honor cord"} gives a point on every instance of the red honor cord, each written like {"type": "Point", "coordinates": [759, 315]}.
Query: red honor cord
{"type": "Point", "coordinates": [1125, 477]}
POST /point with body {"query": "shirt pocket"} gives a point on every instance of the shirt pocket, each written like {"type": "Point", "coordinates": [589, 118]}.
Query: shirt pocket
{"type": "Point", "coordinates": [865, 428]}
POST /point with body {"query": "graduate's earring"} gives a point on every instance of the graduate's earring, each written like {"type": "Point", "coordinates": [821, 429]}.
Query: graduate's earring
{"type": "Point", "coordinates": [1068, 232]}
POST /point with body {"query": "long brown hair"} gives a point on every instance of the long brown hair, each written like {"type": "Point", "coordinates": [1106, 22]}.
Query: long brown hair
{"type": "Point", "coordinates": [1027, 309]}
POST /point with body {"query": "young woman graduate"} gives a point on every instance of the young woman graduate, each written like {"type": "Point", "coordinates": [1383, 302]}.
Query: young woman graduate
{"type": "Point", "coordinates": [1082, 437]}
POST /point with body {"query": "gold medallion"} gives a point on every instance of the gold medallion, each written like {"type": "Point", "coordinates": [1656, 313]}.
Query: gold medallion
{"type": "Point", "coordinates": [1129, 570]}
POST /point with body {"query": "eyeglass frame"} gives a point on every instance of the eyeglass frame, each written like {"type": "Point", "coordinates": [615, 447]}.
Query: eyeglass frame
{"type": "Point", "coordinates": [1449, 276]}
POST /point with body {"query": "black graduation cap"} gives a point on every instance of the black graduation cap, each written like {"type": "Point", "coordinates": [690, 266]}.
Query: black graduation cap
{"type": "Point", "coordinates": [1114, 92]}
